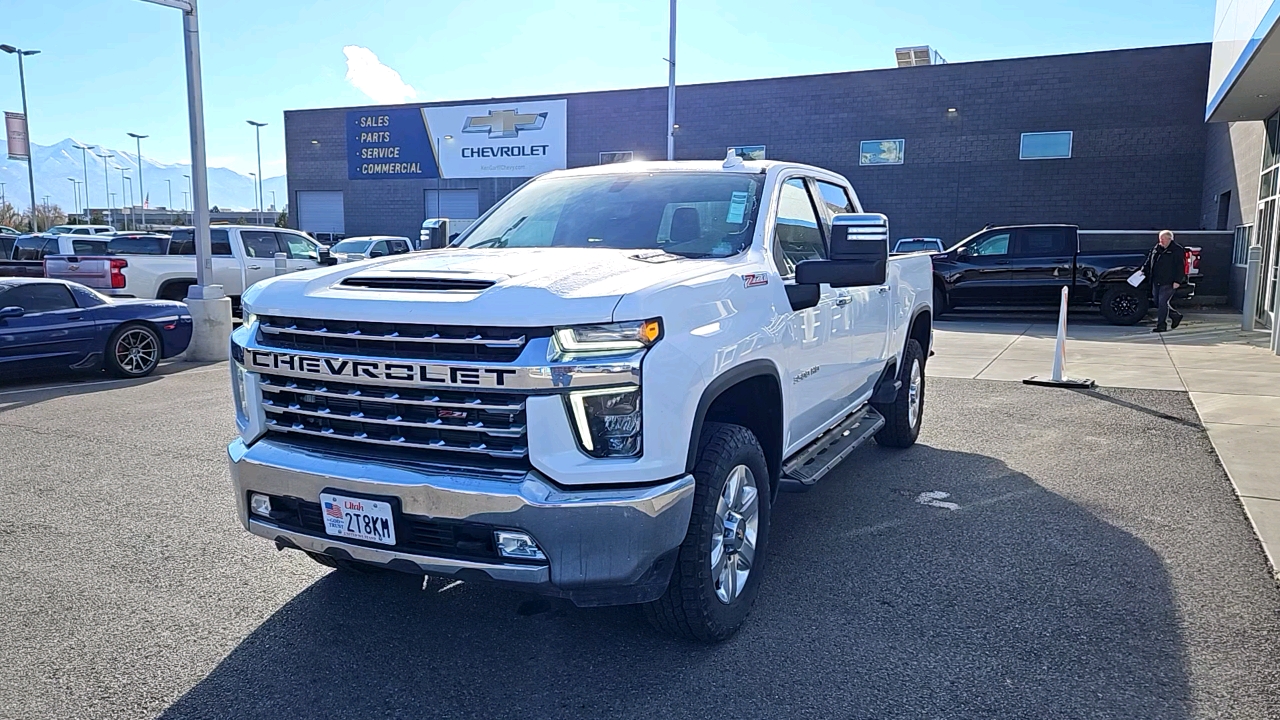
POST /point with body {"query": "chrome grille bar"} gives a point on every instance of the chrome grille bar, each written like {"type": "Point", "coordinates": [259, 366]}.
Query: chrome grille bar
{"type": "Point", "coordinates": [475, 448]}
{"type": "Point", "coordinates": [435, 338]}
{"type": "Point", "coordinates": [389, 396]}
{"type": "Point", "coordinates": [514, 431]}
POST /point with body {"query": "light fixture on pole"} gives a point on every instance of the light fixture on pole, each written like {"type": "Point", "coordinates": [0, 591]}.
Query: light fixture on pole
{"type": "Point", "coordinates": [671, 87]}
{"type": "Point", "coordinates": [26, 118]}
{"type": "Point", "coordinates": [257, 130]}
{"type": "Point", "coordinates": [106, 186]}
{"type": "Point", "coordinates": [208, 304]}
{"type": "Point", "coordinates": [142, 193]}
{"type": "Point", "coordinates": [84, 163]}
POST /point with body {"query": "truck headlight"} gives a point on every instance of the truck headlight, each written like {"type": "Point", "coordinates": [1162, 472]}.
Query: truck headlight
{"type": "Point", "coordinates": [608, 421]}
{"type": "Point", "coordinates": [239, 391]}
{"type": "Point", "coordinates": [606, 339]}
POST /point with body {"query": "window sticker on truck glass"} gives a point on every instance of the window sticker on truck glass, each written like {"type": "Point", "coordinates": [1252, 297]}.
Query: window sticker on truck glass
{"type": "Point", "coordinates": [737, 208]}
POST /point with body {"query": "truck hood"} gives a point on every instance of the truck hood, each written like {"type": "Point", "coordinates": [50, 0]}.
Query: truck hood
{"type": "Point", "coordinates": [520, 287]}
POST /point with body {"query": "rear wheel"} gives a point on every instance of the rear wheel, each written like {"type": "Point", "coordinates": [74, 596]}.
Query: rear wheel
{"type": "Point", "coordinates": [133, 351]}
{"type": "Point", "coordinates": [175, 291]}
{"type": "Point", "coordinates": [718, 570]}
{"type": "Point", "coordinates": [903, 416]}
{"type": "Point", "coordinates": [1125, 304]}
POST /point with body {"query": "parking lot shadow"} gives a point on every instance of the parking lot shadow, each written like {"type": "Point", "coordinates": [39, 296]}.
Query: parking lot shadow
{"type": "Point", "coordinates": [878, 603]}
{"type": "Point", "coordinates": [17, 391]}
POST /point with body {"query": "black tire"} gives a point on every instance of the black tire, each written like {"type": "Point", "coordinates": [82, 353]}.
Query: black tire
{"type": "Point", "coordinates": [133, 351]}
{"type": "Point", "coordinates": [901, 424]}
{"type": "Point", "coordinates": [1123, 304]}
{"type": "Point", "coordinates": [691, 607]}
{"type": "Point", "coordinates": [939, 302]}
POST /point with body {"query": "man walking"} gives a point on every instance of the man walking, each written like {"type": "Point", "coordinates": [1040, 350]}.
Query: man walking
{"type": "Point", "coordinates": [1166, 269]}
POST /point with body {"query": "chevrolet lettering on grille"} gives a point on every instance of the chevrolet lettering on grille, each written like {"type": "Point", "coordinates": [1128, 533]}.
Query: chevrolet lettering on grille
{"type": "Point", "coordinates": [398, 372]}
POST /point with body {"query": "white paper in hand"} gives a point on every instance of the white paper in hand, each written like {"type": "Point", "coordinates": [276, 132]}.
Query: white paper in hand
{"type": "Point", "coordinates": [1137, 278]}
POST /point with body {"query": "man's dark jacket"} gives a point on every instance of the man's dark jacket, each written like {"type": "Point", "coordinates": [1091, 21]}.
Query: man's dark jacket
{"type": "Point", "coordinates": [1166, 266]}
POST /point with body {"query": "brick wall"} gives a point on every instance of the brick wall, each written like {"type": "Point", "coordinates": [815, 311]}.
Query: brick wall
{"type": "Point", "coordinates": [1139, 147]}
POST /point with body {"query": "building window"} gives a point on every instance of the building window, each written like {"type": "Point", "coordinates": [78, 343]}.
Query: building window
{"type": "Point", "coordinates": [748, 152]}
{"type": "Point", "coordinates": [882, 152]}
{"type": "Point", "coordinates": [1244, 238]}
{"type": "Point", "coordinates": [1045, 146]}
{"type": "Point", "coordinates": [1224, 211]}
{"type": "Point", "coordinates": [621, 156]}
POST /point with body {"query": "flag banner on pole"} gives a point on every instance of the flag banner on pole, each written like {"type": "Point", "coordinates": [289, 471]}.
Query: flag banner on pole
{"type": "Point", "coordinates": [15, 128]}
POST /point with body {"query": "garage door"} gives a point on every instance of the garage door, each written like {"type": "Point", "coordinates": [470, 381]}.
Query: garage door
{"type": "Point", "coordinates": [321, 212]}
{"type": "Point", "coordinates": [462, 207]}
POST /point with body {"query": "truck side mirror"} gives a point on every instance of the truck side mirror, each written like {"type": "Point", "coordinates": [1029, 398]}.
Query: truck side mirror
{"type": "Point", "coordinates": [13, 311]}
{"type": "Point", "coordinates": [434, 234]}
{"type": "Point", "coordinates": [859, 253]}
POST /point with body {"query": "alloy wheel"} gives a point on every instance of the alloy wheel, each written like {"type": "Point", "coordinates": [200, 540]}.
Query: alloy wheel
{"type": "Point", "coordinates": [136, 351]}
{"type": "Point", "coordinates": [733, 541]}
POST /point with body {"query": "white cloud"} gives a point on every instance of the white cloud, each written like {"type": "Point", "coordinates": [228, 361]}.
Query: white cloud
{"type": "Point", "coordinates": [368, 75]}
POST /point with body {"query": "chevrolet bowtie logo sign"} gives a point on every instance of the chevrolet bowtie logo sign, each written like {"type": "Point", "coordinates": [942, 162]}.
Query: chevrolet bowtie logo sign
{"type": "Point", "coordinates": [504, 123]}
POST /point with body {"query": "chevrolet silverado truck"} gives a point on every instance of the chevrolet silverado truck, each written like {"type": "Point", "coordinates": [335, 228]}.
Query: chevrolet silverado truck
{"type": "Point", "coordinates": [596, 392]}
{"type": "Point", "coordinates": [1028, 265]}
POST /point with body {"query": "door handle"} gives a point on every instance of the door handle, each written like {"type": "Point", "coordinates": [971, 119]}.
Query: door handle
{"type": "Point", "coordinates": [883, 289]}
{"type": "Point", "coordinates": [1059, 260]}
{"type": "Point", "coordinates": [1002, 262]}
{"type": "Point", "coordinates": [255, 267]}
{"type": "Point", "coordinates": [843, 300]}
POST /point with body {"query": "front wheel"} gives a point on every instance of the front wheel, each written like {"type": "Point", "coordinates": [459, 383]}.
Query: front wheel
{"type": "Point", "coordinates": [903, 416]}
{"type": "Point", "coordinates": [720, 563]}
{"type": "Point", "coordinates": [133, 351]}
{"type": "Point", "coordinates": [1125, 304]}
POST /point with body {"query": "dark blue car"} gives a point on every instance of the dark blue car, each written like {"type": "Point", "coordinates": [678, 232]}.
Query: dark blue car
{"type": "Point", "coordinates": [57, 325]}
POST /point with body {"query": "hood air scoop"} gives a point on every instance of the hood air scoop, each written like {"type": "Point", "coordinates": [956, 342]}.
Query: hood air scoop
{"type": "Point", "coordinates": [432, 284]}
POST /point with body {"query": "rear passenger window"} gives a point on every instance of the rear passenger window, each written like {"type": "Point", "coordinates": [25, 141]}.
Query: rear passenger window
{"type": "Point", "coordinates": [221, 243]}
{"type": "Point", "coordinates": [796, 235]}
{"type": "Point", "coordinates": [89, 247]}
{"type": "Point", "coordinates": [835, 198]}
{"type": "Point", "coordinates": [259, 244]}
{"type": "Point", "coordinates": [1035, 242]}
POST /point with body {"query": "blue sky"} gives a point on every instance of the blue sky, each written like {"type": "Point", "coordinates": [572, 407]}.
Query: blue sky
{"type": "Point", "coordinates": [109, 67]}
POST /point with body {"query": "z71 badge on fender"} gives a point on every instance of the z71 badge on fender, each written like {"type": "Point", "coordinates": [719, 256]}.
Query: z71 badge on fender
{"type": "Point", "coordinates": [357, 370]}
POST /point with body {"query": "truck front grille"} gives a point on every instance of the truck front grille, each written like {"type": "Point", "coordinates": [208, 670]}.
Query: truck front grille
{"type": "Point", "coordinates": [396, 340]}
{"type": "Point", "coordinates": [434, 424]}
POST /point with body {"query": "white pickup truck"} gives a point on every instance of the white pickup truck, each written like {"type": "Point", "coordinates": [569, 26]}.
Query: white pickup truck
{"type": "Point", "coordinates": [241, 256]}
{"type": "Point", "coordinates": [595, 392]}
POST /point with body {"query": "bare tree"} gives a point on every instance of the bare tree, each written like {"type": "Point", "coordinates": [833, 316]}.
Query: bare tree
{"type": "Point", "coordinates": [10, 217]}
{"type": "Point", "coordinates": [49, 215]}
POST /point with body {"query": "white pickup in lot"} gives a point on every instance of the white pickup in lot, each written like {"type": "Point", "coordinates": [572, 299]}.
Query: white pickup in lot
{"type": "Point", "coordinates": [595, 393]}
{"type": "Point", "coordinates": [242, 255]}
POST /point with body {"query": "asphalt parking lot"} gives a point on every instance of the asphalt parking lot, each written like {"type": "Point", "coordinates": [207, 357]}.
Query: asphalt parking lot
{"type": "Point", "coordinates": [1096, 565]}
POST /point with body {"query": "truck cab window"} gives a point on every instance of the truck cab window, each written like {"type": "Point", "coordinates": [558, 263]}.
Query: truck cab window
{"type": "Point", "coordinates": [835, 198]}
{"type": "Point", "coordinates": [298, 247]}
{"type": "Point", "coordinates": [796, 235]}
{"type": "Point", "coordinates": [992, 245]}
{"type": "Point", "coordinates": [260, 244]}
{"type": "Point", "coordinates": [1036, 242]}
{"type": "Point", "coordinates": [220, 243]}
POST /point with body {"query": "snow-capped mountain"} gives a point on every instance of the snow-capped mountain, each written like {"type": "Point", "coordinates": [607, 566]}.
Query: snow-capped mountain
{"type": "Point", "coordinates": [54, 164]}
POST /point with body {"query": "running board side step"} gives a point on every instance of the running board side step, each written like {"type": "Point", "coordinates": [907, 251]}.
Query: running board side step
{"type": "Point", "coordinates": [818, 457]}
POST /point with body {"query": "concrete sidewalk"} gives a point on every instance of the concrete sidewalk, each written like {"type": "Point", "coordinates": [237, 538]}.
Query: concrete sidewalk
{"type": "Point", "coordinates": [1231, 377]}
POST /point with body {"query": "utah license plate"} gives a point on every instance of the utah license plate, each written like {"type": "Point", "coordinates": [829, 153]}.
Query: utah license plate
{"type": "Point", "coordinates": [358, 518]}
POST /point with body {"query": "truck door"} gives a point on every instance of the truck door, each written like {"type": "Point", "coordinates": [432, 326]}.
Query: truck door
{"type": "Point", "coordinates": [862, 313]}
{"type": "Point", "coordinates": [260, 248]}
{"type": "Point", "coordinates": [819, 350]}
{"type": "Point", "coordinates": [226, 266]}
{"type": "Point", "coordinates": [1041, 264]}
{"type": "Point", "coordinates": [981, 270]}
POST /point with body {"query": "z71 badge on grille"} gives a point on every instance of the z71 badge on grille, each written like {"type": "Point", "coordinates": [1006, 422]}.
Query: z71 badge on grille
{"type": "Point", "coordinates": [380, 370]}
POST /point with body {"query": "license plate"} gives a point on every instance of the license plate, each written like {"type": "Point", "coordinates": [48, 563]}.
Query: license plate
{"type": "Point", "coordinates": [357, 518]}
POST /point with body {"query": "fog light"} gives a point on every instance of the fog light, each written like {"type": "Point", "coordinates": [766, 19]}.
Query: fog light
{"type": "Point", "coordinates": [517, 545]}
{"type": "Point", "coordinates": [260, 505]}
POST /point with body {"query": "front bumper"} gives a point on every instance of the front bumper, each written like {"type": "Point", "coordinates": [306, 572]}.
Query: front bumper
{"type": "Point", "coordinates": [603, 546]}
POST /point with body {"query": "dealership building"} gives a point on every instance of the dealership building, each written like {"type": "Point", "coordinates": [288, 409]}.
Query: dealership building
{"type": "Point", "coordinates": [1113, 140]}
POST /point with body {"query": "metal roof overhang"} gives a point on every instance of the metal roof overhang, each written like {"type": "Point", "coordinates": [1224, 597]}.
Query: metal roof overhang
{"type": "Point", "coordinates": [1251, 90]}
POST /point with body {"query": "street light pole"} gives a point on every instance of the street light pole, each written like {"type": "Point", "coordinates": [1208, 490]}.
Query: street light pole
{"type": "Point", "coordinates": [106, 186]}
{"type": "Point", "coordinates": [26, 116]}
{"type": "Point", "coordinates": [84, 162]}
{"type": "Point", "coordinates": [142, 193]}
{"type": "Point", "coordinates": [75, 186]}
{"type": "Point", "coordinates": [170, 185]}
{"type": "Point", "coordinates": [254, 178]}
{"type": "Point", "coordinates": [187, 194]}
{"type": "Point", "coordinates": [257, 130]}
{"type": "Point", "coordinates": [123, 199]}
{"type": "Point", "coordinates": [209, 307]}
{"type": "Point", "coordinates": [671, 88]}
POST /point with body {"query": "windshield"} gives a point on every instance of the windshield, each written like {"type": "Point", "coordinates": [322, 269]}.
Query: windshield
{"type": "Point", "coordinates": [351, 246]}
{"type": "Point", "coordinates": [684, 213]}
{"type": "Point", "coordinates": [60, 229]}
{"type": "Point", "coordinates": [910, 246]}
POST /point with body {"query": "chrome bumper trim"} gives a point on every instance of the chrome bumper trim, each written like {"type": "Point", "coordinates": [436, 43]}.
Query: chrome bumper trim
{"type": "Point", "coordinates": [597, 538]}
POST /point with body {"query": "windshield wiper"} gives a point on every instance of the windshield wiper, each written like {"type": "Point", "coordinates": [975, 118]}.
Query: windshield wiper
{"type": "Point", "coordinates": [501, 240]}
